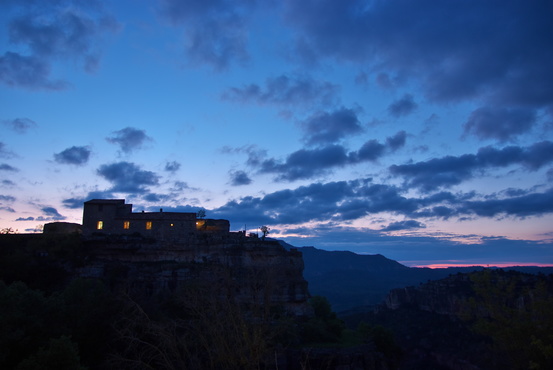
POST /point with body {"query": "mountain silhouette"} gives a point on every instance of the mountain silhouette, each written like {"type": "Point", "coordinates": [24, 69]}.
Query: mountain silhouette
{"type": "Point", "coordinates": [356, 282]}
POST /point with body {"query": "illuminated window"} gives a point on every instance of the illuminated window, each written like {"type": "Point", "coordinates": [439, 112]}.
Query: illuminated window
{"type": "Point", "coordinates": [100, 225]}
{"type": "Point", "coordinates": [126, 225]}
{"type": "Point", "coordinates": [148, 225]}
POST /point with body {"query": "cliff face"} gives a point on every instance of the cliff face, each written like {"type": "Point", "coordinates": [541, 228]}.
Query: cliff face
{"type": "Point", "coordinates": [446, 296]}
{"type": "Point", "coordinates": [480, 292]}
{"type": "Point", "coordinates": [250, 270]}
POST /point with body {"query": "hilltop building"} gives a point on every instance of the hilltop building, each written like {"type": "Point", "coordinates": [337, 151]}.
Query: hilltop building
{"type": "Point", "coordinates": [114, 216]}
{"type": "Point", "coordinates": [150, 252]}
{"type": "Point", "coordinates": [61, 228]}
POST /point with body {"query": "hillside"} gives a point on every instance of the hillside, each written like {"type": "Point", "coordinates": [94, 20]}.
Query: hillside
{"type": "Point", "coordinates": [489, 319]}
{"type": "Point", "coordinates": [220, 302]}
{"type": "Point", "coordinates": [355, 282]}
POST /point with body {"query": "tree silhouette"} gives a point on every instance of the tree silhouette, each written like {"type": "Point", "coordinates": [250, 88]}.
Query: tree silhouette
{"type": "Point", "coordinates": [265, 231]}
{"type": "Point", "coordinates": [201, 213]}
{"type": "Point", "coordinates": [8, 230]}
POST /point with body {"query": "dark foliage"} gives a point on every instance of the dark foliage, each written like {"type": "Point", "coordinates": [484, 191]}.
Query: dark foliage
{"type": "Point", "coordinates": [39, 260]}
{"type": "Point", "coordinates": [354, 282]}
{"type": "Point", "coordinates": [503, 320]}
{"type": "Point", "coordinates": [38, 327]}
{"type": "Point", "coordinates": [324, 326]}
{"type": "Point", "coordinates": [49, 318]}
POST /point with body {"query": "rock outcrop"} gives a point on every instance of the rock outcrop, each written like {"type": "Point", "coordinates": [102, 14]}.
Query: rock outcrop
{"type": "Point", "coordinates": [480, 290]}
{"type": "Point", "coordinates": [446, 296]}
{"type": "Point", "coordinates": [253, 271]}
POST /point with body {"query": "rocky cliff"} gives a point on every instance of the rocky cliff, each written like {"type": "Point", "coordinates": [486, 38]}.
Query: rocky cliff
{"type": "Point", "coordinates": [479, 292]}
{"type": "Point", "coordinates": [446, 296]}
{"type": "Point", "coordinates": [250, 270]}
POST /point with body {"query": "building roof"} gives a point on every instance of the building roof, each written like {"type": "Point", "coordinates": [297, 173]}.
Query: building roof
{"type": "Point", "coordinates": [159, 215]}
{"type": "Point", "coordinates": [105, 201]}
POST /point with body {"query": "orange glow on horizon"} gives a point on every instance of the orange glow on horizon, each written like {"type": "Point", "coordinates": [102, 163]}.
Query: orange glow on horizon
{"type": "Point", "coordinates": [500, 265]}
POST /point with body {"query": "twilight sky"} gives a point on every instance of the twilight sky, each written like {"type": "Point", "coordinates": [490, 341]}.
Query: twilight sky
{"type": "Point", "coordinates": [420, 130]}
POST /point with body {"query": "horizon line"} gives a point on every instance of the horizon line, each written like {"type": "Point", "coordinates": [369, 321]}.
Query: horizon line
{"type": "Point", "coordinates": [484, 265]}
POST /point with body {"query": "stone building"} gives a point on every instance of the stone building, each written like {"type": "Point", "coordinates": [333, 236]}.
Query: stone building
{"type": "Point", "coordinates": [115, 217]}
{"type": "Point", "coordinates": [61, 228]}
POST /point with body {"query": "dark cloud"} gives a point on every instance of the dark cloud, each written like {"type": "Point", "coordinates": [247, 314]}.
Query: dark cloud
{"type": "Point", "coordinates": [20, 125]}
{"type": "Point", "coordinates": [73, 203]}
{"type": "Point", "coordinates": [285, 90]}
{"type": "Point", "coordinates": [28, 72]}
{"type": "Point", "coordinates": [496, 50]}
{"type": "Point", "coordinates": [42, 33]}
{"type": "Point", "coordinates": [304, 163]}
{"type": "Point", "coordinates": [127, 177]}
{"type": "Point", "coordinates": [7, 167]}
{"type": "Point", "coordinates": [437, 172]}
{"type": "Point", "coordinates": [397, 141]}
{"type": "Point", "coordinates": [404, 225]}
{"type": "Point", "coordinates": [254, 153]}
{"type": "Point", "coordinates": [129, 139]}
{"type": "Point", "coordinates": [373, 150]}
{"type": "Point", "coordinates": [386, 198]}
{"type": "Point", "coordinates": [30, 218]}
{"type": "Point", "coordinates": [77, 202]}
{"type": "Point", "coordinates": [344, 201]}
{"type": "Point", "coordinates": [216, 31]}
{"type": "Point", "coordinates": [370, 151]}
{"type": "Point", "coordinates": [529, 204]}
{"type": "Point", "coordinates": [313, 202]}
{"type": "Point", "coordinates": [403, 106]}
{"type": "Point", "coordinates": [440, 212]}
{"type": "Point", "coordinates": [309, 163]}
{"type": "Point", "coordinates": [4, 152]}
{"type": "Point", "coordinates": [347, 201]}
{"type": "Point", "coordinates": [50, 213]}
{"type": "Point", "coordinates": [502, 124]}
{"type": "Point", "coordinates": [8, 183]}
{"type": "Point", "coordinates": [77, 155]}
{"type": "Point", "coordinates": [172, 166]}
{"type": "Point", "coordinates": [451, 170]}
{"type": "Point", "coordinates": [154, 198]}
{"type": "Point", "coordinates": [537, 155]}
{"type": "Point", "coordinates": [328, 128]}
{"type": "Point", "coordinates": [180, 186]}
{"type": "Point", "coordinates": [238, 178]}
{"type": "Point", "coordinates": [7, 198]}
{"type": "Point", "coordinates": [333, 201]}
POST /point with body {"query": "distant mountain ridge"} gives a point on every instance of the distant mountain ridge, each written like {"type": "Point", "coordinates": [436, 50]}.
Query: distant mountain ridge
{"type": "Point", "coordinates": [356, 282]}
{"type": "Point", "coordinates": [346, 260]}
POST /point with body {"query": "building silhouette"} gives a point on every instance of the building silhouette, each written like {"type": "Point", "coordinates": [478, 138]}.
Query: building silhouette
{"type": "Point", "coordinates": [115, 217]}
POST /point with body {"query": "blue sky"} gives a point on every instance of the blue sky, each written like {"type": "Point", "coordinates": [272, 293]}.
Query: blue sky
{"type": "Point", "coordinates": [420, 130]}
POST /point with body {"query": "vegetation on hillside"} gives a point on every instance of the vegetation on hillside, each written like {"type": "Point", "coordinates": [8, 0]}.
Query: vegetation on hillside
{"type": "Point", "coordinates": [515, 311]}
{"type": "Point", "coordinates": [50, 319]}
{"type": "Point", "coordinates": [505, 321]}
